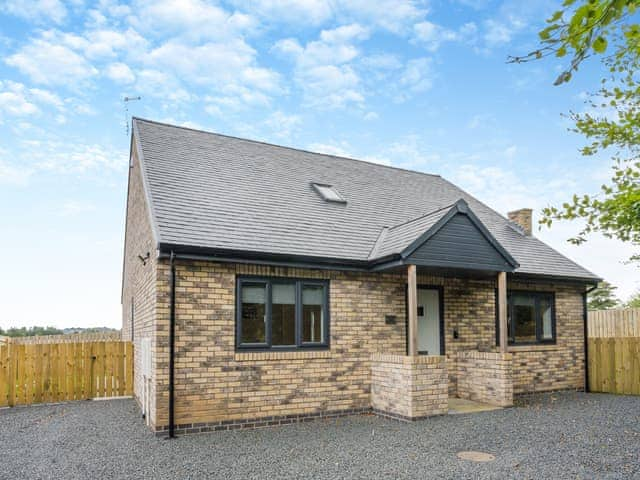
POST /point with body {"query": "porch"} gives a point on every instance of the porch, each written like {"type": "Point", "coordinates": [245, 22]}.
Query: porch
{"type": "Point", "coordinates": [415, 387]}
{"type": "Point", "coordinates": [419, 385]}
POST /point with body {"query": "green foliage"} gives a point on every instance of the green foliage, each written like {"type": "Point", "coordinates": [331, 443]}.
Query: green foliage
{"type": "Point", "coordinates": [603, 297]}
{"type": "Point", "coordinates": [634, 301]}
{"type": "Point", "coordinates": [590, 28]}
{"type": "Point", "coordinates": [30, 332]}
{"type": "Point", "coordinates": [585, 28]}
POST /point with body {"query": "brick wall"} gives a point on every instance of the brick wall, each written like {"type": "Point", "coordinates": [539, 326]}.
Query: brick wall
{"type": "Point", "coordinates": [409, 388]}
{"type": "Point", "coordinates": [485, 377]}
{"type": "Point", "coordinates": [542, 368]}
{"type": "Point", "coordinates": [139, 280]}
{"type": "Point", "coordinates": [216, 384]}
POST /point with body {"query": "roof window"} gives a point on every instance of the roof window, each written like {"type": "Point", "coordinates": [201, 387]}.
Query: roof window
{"type": "Point", "coordinates": [328, 193]}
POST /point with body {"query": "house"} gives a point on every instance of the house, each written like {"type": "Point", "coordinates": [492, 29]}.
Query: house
{"type": "Point", "coordinates": [269, 285]}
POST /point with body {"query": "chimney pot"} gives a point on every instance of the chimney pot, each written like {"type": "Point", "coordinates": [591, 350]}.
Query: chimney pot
{"type": "Point", "coordinates": [523, 218]}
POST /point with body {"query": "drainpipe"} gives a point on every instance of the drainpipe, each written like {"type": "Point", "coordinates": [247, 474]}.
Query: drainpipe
{"type": "Point", "coordinates": [172, 343]}
{"type": "Point", "coordinates": [585, 317]}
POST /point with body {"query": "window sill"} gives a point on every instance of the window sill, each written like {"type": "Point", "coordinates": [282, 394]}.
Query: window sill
{"type": "Point", "coordinates": [532, 348]}
{"type": "Point", "coordinates": [275, 355]}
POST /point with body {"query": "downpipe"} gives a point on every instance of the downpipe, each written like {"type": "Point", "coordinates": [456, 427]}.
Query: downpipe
{"type": "Point", "coordinates": [172, 344]}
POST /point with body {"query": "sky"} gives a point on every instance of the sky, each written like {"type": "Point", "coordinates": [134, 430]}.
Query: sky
{"type": "Point", "coordinates": [419, 85]}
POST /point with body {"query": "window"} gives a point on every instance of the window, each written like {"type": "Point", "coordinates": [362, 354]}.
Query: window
{"type": "Point", "coordinates": [329, 193]}
{"type": "Point", "coordinates": [279, 313]}
{"type": "Point", "coordinates": [530, 318]}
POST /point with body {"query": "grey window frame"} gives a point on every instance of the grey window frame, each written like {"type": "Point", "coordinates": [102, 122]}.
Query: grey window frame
{"type": "Point", "coordinates": [268, 282]}
{"type": "Point", "coordinates": [537, 294]}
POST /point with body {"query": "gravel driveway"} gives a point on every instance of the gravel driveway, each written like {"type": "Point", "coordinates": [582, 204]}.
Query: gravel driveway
{"type": "Point", "coordinates": [568, 435]}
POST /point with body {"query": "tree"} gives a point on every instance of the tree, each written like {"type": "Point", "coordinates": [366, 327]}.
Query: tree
{"type": "Point", "coordinates": [30, 332]}
{"type": "Point", "coordinates": [634, 301]}
{"type": "Point", "coordinates": [609, 29]}
{"type": "Point", "coordinates": [603, 297]}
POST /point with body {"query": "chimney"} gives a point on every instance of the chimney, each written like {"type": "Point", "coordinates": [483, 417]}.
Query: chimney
{"type": "Point", "coordinates": [523, 218]}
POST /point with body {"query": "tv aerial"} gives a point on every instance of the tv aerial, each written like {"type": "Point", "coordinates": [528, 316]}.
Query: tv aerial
{"type": "Point", "coordinates": [126, 101]}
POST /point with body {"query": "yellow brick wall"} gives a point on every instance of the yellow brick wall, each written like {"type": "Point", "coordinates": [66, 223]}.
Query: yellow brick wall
{"type": "Point", "coordinates": [485, 377]}
{"type": "Point", "coordinates": [409, 388]}
{"type": "Point", "coordinates": [214, 383]}
{"type": "Point", "coordinates": [139, 280]}
{"type": "Point", "coordinates": [559, 366]}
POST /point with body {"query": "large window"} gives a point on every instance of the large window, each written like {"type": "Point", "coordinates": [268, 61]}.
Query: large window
{"type": "Point", "coordinates": [280, 313]}
{"type": "Point", "coordinates": [530, 318]}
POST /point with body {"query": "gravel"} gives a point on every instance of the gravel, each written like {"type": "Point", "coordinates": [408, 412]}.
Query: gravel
{"type": "Point", "coordinates": [562, 435]}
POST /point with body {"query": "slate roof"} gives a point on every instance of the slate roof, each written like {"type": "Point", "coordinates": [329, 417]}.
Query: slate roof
{"type": "Point", "coordinates": [222, 193]}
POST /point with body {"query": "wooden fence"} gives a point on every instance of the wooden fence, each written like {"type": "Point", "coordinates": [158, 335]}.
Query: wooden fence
{"type": "Point", "coordinates": [614, 365]}
{"type": "Point", "coordinates": [69, 338]}
{"type": "Point", "coordinates": [56, 372]}
{"type": "Point", "coordinates": [614, 323]}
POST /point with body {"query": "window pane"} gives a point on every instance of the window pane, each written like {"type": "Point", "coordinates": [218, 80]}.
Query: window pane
{"type": "Point", "coordinates": [313, 313]}
{"type": "Point", "coordinates": [254, 312]}
{"type": "Point", "coordinates": [283, 314]}
{"type": "Point", "coordinates": [524, 318]}
{"type": "Point", "coordinates": [545, 313]}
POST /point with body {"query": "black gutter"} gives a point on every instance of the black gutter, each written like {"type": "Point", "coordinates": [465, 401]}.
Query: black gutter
{"type": "Point", "coordinates": [172, 344]}
{"type": "Point", "coordinates": [324, 263]}
{"type": "Point", "coordinates": [585, 318]}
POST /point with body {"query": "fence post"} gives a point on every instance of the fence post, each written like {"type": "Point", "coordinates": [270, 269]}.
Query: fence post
{"type": "Point", "coordinates": [12, 372]}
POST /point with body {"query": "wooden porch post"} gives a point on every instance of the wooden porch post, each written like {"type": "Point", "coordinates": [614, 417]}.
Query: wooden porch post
{"type": "Point", "coordinates": [502, 310]}
{"type": "Point", "coordinates": [412, 305]}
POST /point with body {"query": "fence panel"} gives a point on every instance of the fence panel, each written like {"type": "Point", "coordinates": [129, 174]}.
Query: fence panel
{"type": "Point", "coordinates": [614, 365]}
{"type": "Point", "coordinates": [614, 323]}
{"type": "Point", "coordinates": [56, 372]}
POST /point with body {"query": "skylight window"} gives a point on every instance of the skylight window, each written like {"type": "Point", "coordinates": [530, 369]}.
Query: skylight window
{"type": "Point", "coordinates": [328, 193]}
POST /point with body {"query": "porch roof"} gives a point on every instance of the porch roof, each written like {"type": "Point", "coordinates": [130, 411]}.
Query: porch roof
{"type": "Point", "coordinates": [450, 237]}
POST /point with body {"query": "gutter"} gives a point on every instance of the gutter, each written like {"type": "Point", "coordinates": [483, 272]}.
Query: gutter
{"type": "Point", "coordinates": [585, 319]}
{"type": "Point", "coordinates": [172, 344]}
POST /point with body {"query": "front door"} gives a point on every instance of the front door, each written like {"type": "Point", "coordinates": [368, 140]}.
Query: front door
{"type": "Point", "coordinates": [429, 342]}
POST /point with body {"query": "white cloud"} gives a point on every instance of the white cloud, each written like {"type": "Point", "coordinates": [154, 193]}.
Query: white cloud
{"type": "Point", "coordinates": [13, 174]}
{"type": "Point", "coordinates": [15, 103]}
{"type": "Point", "coordinates": [312, 12]}
{"type": "Point", "coordinates": [158, 84]}
{"type": "Point", "coordinates": [339, 149]}
{"type": "Point", "coordinates": [188, 19]}
{"type": "Point", "coordinates": [52, 63]}
{"type": "Point", "coordinates": [417, 75]}
{"type": "Point", "coordinates": [323, 69]}
{"type": "Point", "coordinates": [39, 11]}
{"type": "Point", "coordinates": [382, 61]}
{"type": "Point", "coordinates": [282, 125]}
{"type": "Point", "coordinates": [67, 157]}
{"type": "Point", "coordinates": [396, 16]}
{"type": "Point", "coordinates": [74, 207]}
{"type": "Point", "coordinates": [432, 35]}
{"type": "Point", "coordinates": [16, 99]}
{"type": "Point", "coordinates": [215, 65]}
{"type": "Point", "coordinates": [120, 73]}
{"type": "Point", "coordinates": [344, 33]}
{"type": "Point", "coordinates": [46, 97]}
{"type": "Point", "coordinates": [105, 43]}
{"type": "Point", "coordinates": [498, 32]}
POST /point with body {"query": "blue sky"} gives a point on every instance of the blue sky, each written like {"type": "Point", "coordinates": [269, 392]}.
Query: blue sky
{"type": "Point", "coordinates": [421, 85]}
